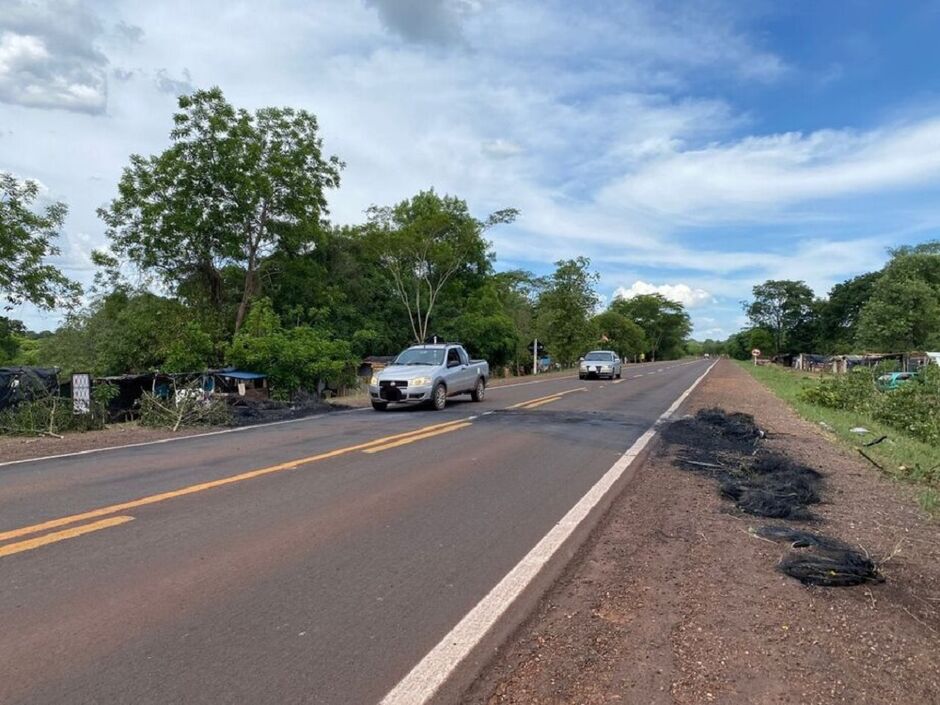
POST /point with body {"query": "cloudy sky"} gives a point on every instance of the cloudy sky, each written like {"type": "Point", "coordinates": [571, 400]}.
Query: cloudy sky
{"type": "Point", "coordinates": [691, 148]}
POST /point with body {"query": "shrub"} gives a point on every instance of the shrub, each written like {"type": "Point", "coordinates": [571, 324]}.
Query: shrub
{"type": "Point", "coordinates": [51, 415]}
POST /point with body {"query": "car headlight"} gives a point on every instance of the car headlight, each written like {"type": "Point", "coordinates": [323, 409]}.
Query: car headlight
{"type": "Point", "coordinates": [374, 381]}
{"type": "Point", "coordinates": [420, 381]}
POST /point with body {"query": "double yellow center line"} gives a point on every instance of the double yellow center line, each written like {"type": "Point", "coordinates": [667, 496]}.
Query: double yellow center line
{"type": "Point", "coordinates": [379, 444]}
{"type": "Point", "coordinates": [52, 531]}
{"type": "Point", "coordinates": [548, 399]}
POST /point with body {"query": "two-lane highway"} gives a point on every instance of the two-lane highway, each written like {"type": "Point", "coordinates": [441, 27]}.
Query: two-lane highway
{"type": "Point", "coordinates": [315, 561]}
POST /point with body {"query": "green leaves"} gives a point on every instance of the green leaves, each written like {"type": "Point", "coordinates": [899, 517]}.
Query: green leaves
{"type": "Point", "coordinates": [294, 358]}
{"type": "Point", "coordinates": [665, 323]}
{"type": "Point", "coordinates": [27, 238]}
{"type": "Point", "coordinates": [231, 188]}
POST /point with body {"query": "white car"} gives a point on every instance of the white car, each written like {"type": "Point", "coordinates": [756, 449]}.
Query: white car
{"type": "Point", "coordinates": [600, 363]}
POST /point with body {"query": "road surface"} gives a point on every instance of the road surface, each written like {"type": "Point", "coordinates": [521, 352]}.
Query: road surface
{"type": "Point", "coordinates": [314, 561]}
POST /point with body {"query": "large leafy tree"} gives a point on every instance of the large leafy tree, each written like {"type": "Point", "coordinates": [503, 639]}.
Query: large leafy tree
{"type": "Point", "coordinates": [839, 315]}
{"type": "Point", "coordinates": [27, 239]}
{"type": "Point", "coordinates": [424, 243]}
{"type": "Point", "coordinates": [903, 311]}
{"type": "Point", "coordinates": [129, 331]}
{"type": "Point", "coordinates": [299, 358]}
{"type": "Point", "coordinates": [664, 322]}
{"type": "Point", "coordinates": [783, 307]}
{"type": "Point", "coordinates": [564, 310]}
{"type": "Point", "coordinates": [620, 334]}
{"type": "Point", "coordinates": [232, 187]}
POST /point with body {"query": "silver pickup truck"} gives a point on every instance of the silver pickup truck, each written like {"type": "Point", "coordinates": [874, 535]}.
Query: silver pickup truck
{"type": "Point", "coordinates": [429, 374]}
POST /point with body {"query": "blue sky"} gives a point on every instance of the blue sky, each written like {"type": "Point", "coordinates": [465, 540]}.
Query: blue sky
{"type": "Point", "coordinates": [689, 148]}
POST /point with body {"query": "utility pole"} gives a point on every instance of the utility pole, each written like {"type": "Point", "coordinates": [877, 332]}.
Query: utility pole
{"type": "Point", "coordinates": [535, 357]}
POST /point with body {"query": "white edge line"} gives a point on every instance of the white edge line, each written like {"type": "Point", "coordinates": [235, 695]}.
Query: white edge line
{"type": "Point", "coordinates": [173, 439]}
{"type": "Point", "coordinates": [427, 677]}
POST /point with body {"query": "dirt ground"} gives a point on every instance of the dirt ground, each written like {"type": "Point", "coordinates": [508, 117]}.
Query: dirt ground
{"type": "Point", "coordinates": [672, 600]}
{"type": "Point", "coordinates": [16, 448]}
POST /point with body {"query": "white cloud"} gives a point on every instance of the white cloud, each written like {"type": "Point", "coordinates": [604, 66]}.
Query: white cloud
{"type": "Point", "coordinates": [681, 293]}
{"type": "Point", "coordinates": [757, 175]}
{"type": "Point", "coordinates": [49, 57]}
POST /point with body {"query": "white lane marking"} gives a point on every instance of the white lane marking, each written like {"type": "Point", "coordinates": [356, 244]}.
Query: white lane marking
{"type": "Point", "coordinates": [237, 429]}
{"type": "Point", "coordinates": [426, 678]}
{"type": "Point", "coordinates": [524, 384]}
{"type": "Point", "coordinates": [174, 439]}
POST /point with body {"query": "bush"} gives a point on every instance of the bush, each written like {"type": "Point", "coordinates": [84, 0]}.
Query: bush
{"type": "Point", "coordinates": [913, 408]}
{"type": "Point", "coordinates": [187, 407]}
{"type": "Point", "coordinates": [51, 415]}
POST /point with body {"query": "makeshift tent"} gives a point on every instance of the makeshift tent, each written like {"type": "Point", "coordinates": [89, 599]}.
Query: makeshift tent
{"type": "Point", "coordinates": [26, 383]}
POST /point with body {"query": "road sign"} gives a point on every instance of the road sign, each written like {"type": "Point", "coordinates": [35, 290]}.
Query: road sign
{"type": "Point", "coordinates": [537, 351]}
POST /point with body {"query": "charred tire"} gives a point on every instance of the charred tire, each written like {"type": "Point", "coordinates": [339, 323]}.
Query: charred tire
{"type": "Point", "coordinates": [439, 397]}
{"type": "Point", "coordinates": [479, 391]}
{"type": "Point", "coordinates": [380, 405]}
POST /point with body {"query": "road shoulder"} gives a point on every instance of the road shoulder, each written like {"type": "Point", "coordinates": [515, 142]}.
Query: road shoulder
{"type": "Point", "coordinates": [673, 601]}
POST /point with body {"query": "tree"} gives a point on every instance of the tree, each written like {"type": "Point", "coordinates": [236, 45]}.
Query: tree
{"type": "Point", "coordinates": [665, 323]}
{"type": "Point", "coordinates": [300, 358]}
{"type": "Point", "coordinates": [903, 311]}
{"type": "Point", "coordinates": [564, 310]}
{"type": "Point", "coordinates": [27, 238]}
{"type": "Point", "coordinates": [10, 334]}
{"type": "Point", "coordinates": [231, 188]}
{"type": "Point", "coordinates": [620, 334]}
{"type": "Point", "coordinates": [839, 316]}
{"type": "Point", "coordinates": [129, 331]}
{"type": "Point", "coordinates": [425, 242]}
{"type": "Point", "coordinates": [782, 307]}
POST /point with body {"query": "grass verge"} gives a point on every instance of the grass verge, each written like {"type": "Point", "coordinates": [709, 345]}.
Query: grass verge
{"type": "Point", "coordinates": [900, 456]}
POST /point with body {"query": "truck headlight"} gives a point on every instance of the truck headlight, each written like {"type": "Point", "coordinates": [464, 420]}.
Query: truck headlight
{"type": "Point", "coordinates": [420, 381]}
{"type": "Point", "coordinates": [374, 381]}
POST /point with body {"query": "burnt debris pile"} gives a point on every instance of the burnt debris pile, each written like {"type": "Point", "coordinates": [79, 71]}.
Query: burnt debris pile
{"type": "Point", "coordinates": [827, 561]}
{"type": "Point", "coordinates": [727, 447]}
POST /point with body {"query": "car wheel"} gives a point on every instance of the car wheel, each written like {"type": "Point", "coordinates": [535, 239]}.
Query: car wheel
{"type": "Point", "coordinates": [380, 406]}
{"type": "Point", "coordinates": [479, 392]}
{"type": "Point", "coordinates": [439, 398]}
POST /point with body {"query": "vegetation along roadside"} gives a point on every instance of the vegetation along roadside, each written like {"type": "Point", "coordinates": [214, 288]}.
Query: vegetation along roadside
{"type": "Point", "coordinates": [885, 442]}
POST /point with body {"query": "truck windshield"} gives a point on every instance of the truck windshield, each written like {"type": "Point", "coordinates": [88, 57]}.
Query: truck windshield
{"type": "Point", "coordinates": [421, 356]}
{"type": "Point", "coordinates": [602, 356]}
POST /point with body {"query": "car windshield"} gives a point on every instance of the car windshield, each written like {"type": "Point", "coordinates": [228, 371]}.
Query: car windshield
{"type": "Point", "coordinates": [421, 356]}
{"type": "Point", "coordinates": [602, 356]}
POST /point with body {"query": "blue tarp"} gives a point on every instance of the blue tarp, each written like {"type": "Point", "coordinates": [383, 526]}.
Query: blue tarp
{"type": "Point", "coordinates": [239, 374]}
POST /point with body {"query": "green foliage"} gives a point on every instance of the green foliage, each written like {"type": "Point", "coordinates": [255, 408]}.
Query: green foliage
{"type": "Point", "coordinates": [424, 243]}
{"type": "Point", "coordinates": [665, 323]}
{"type": "Point", "coordinates": [129, 332]}
{"type": "Point", "coordinates": [51, 415]}
{"type": "Point", "coordinates": [27, 238]}
{"type": "Point", "coordinates": [230, 189]}
{"type": "Point", "coordinates": [622, 335]}
{"type": "Point", "coordinates": [565, 308]}
{"type": "Point", "coordinates": [785, 308]}
{"type": "Point", "coordinates": [903, 456]}
{"type": "Point", "coordinates": [11, 333]}
{"type": "Point", "coordinates": [903, 311]}
{"type": "Point", "coordinates": [295, 359]}
{"type": "Point", "coordinates": [913, 408]}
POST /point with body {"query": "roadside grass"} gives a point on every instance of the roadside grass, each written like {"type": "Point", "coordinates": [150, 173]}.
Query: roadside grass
{"type": "Point", "coordinates": [900, 456]}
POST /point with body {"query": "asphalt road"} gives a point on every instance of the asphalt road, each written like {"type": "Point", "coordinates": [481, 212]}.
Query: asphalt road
{"type": "Point", "coordinates": [314, 561]}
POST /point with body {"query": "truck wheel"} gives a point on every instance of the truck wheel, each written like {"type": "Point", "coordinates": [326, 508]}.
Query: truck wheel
{"type": "Point", "coordinates": [439, 398]}
{"type": "Point", "coordinates": [380, 406]}
{"type": "Point", "coordinates": [479, 391]}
